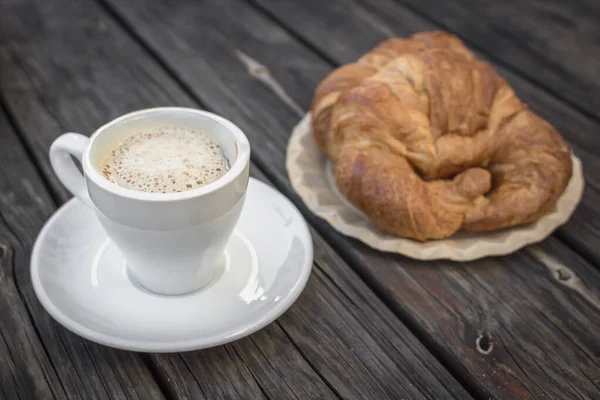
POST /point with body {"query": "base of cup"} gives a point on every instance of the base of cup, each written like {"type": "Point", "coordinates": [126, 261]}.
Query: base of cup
{"type": "Point", "coordinates": [181, 289]}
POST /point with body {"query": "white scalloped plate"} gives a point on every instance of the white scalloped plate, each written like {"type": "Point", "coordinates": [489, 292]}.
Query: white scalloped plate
{"type": "Point", "coordinates": [311, 176]}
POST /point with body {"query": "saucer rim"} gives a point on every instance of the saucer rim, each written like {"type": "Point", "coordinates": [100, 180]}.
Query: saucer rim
{"type": "Point", "coordinates": [146, 346]}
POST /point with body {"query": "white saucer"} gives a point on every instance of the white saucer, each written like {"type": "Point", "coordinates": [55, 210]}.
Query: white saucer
{"type": "Point", "coordinates": [82, 281]}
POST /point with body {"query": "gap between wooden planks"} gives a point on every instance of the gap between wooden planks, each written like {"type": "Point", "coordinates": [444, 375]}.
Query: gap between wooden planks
{"type": "Point", "coordinates": [38, 358]}
{"type": "Point", "coordinates": [362, 29]}
{"type": "Point", "coordinates": [512, 301]}
{"type": "Point", "coordinates": [58, 77]}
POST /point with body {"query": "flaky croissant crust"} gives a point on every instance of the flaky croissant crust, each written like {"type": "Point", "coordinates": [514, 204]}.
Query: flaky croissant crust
{"type": "Point", "coordinates": [428, 140]}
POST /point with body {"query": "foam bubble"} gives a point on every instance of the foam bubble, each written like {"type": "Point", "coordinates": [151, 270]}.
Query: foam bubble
{"type": "Point", "coordinates": [165, 160]}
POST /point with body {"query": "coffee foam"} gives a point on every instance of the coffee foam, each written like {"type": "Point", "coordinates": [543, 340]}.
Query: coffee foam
{"type": "Point", "coordinates": [165, 160]}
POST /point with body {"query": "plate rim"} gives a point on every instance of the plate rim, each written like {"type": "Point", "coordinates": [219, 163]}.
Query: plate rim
{"type": "Point", "coordinates": [301, 144]}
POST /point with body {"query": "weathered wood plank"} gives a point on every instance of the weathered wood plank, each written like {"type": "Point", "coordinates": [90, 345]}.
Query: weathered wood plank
{"type": "Point", "coordinates": [56, 82]}
{"type": "Point", "coordinates": [361, 30]}
{"type": "Point", "coordinates": [326, 327]}
{"type": "Point", "coordinates": [242, 370]}
{"type": "Point", "coordinates": [26, 371]}
{"type": "Point", "coordinates": [553, 43]}
{"type": "Point", "coordinates": [24, 207]}
{"type": "Point", "coordinates": [485, 318]}
{"type": "Point", "coordinates": [84, 369]}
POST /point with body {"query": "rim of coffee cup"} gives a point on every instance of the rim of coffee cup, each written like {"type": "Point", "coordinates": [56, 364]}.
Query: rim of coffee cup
{"type": "Point", "coordinates": [237, 167]}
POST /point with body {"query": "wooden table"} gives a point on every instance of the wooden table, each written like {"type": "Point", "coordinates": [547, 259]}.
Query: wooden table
{"type": "Point", "coordinates": [369, 325]}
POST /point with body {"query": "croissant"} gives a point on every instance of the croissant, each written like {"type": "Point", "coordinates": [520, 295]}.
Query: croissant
{"type": "Point", "coordinates": [428, 140]}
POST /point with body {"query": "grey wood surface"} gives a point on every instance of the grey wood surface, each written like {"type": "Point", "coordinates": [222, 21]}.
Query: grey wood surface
{"type": "Point", "coordinates": [68, 66]}
{"type": "Point", "coordinates": [554, 43]}
{"type": "Point", "coordinates": [38, 358]}
{"type": "Point", "coordinates": [359, 28]}
{"type": "Point", "coordinates": [26, 371]}
{"type": "Point", "coordinates": [521, 326]}
{"type": "Point", "coordinates": [581, 129]}
{"type": "Point", "coordinates": [483, 319]}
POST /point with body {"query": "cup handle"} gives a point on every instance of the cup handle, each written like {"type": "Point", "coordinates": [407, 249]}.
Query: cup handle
{"type": "Point", "coordinates": [61, 150]}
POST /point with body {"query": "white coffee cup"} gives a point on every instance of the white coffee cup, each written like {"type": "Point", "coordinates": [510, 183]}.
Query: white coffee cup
{"type": "Point", "coordinates": [173, 243]}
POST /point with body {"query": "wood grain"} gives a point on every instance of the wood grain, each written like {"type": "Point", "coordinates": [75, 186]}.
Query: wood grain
{"type": "Point", "coordinates": [356, 348]}
{"type": "Point", "coordinates": [26, 372]}
{"type": "Point", "coordinates": [59, 365]}
{"type": "Point", "coordinates": [362, 28]}
{"type": "Point", "coordinates": [85, 370]}
{"type": "Point", "coordinates": [581, 231]}
{"type": "Point", "coordinates": [508, 326]}
{"type": "Point", "coordinates": [552, 43]}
